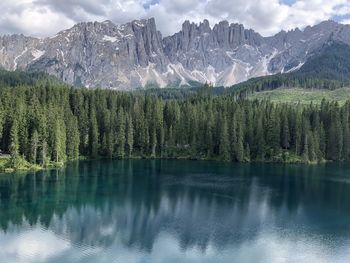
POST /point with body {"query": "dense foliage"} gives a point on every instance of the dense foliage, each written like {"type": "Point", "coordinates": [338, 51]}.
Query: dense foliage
{"type": "Point", "coordinates": [182, 93]}
{"type": "Point", "coordinates": [17, 78]}
{"type": "Point", "coordinates": [169, 93]}
{"type": "Point", "coordinates": [52, 123]}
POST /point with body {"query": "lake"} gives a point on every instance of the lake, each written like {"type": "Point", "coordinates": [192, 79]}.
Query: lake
{"type": "Point", "coordinates": [176, 211]}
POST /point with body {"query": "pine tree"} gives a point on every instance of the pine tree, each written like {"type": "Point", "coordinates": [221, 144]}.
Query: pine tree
{"type": "Point", "coordinates": [259, 141]}
{"type": "Point", "coordinates": [346, 135]}
{"type": "Point", "coordinates": [305, 135]}
{"type": "Point", "coordinates": [73, 138]}
{"type": "Point", "coordinates": [335, 138]}
{"type": "Point", "coordinates": [43, 153]}
{"type": "Point", "coordinates": [224, 141]}
{"type": "Point", "coordinates": [233, 138]}
{"type": "Point", "coordinates": [111, 135]}
{"type": "Point", "coordinates": [14, 141]}
{"type": "Point", "coordinates": [305, 151]}
{"type": "Point", "coordinates": [120, 145]}
{"type": "Point", "coordinates": [59, 148]}
{"type": "Point", "coordinates": [239, 145]}
{"type": "Point", "coordinates": [153, 138]}
{"type": "Point", "coordinates": [273, 130]}
{"type": "Point", "coordinates": [285, 135]}
{"type": "Point", "coordinates": [130, 136]}
{"type": "Point", "coordinates": [247, 153]}
{"type": "Point", "coordinates": [94, 133]}
{"type": "Point", "coordinates": [209, 145]}
{"type": "Point", "coordinates": [296, 135]}
{"type": "Point", "coordinates": [34, 147]}
{"type": "Point", "coordinates": [1, 122]}
{"type": "Point", "coordinates": [312, 147]}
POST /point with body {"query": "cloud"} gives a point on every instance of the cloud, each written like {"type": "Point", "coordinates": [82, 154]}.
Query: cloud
{"type": "Point", "coordinates": [22, 16]}
{"type": "Point", "coordinates": [46, 17]}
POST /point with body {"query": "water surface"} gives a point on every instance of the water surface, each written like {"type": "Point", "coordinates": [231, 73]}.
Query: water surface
{"type": "Point", "coordinates": [176, 211]}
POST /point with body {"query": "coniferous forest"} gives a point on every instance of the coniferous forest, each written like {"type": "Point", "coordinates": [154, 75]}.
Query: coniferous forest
{"type": "Point", "coordinates": [50, 123]}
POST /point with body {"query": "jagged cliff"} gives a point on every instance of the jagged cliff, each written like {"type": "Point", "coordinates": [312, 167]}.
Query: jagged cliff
{"type": "Point", "coordinates": [135, 54]}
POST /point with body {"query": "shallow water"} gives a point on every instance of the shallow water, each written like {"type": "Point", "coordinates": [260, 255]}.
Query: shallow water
{"type": "Point", "coordinates": [176, 211]}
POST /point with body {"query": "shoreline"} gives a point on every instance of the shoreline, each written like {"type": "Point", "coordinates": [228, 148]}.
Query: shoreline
{"type": "Point", "coordinates": [29, 167]}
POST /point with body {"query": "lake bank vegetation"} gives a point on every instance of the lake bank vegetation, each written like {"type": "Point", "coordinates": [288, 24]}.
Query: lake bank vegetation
{"type": "Point", "coordinates": [46, 124]}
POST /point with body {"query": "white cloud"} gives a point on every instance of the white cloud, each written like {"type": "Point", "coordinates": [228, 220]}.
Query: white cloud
{"type": "Point", "coordinates": [22, 16]}
{"type": "Point", "coordinates": [31, 245]}
{"type": "Point", "coordinates": [46, 17]}
{"type": "Point", "coordinates": [38, 245]}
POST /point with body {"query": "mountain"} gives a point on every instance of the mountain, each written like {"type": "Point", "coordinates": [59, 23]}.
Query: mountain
{"type": "Point", "coordinates": [135, 54]}
{"type": "Point", "coordinates": [326, 68]}
{"type": "Point", "coordinates": [332, 61]}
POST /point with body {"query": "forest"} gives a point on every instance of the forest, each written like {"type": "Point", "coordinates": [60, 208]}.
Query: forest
{"type": "Point", "coordinates": [47, 124]}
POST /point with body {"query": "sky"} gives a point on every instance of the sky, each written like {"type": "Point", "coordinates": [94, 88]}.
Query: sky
{"type": "Point", "coordinates": [41, 18]}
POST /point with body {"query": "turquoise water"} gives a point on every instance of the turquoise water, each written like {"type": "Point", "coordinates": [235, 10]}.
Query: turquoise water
{"type": "Point", "coordinates": [176, 211]}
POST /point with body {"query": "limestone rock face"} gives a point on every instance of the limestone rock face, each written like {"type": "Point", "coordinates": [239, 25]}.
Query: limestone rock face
{"type": "Point", "coordinates": [135, 54]}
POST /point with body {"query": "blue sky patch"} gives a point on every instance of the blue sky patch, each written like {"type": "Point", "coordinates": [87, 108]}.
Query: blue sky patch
{"type": "Point", "coordinates": [341, 18]}
{"type": "Point", "coordinates": [149, 3]}
{"type": "Point", "coordinates": [288, 2]}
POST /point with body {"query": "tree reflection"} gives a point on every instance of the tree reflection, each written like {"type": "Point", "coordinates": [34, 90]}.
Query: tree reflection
{"type": "Point", "coordinates": [199, 203]}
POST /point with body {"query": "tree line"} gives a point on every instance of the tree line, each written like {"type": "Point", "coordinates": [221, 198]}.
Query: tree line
{"type": "Point", "coordinates": [52, 123]}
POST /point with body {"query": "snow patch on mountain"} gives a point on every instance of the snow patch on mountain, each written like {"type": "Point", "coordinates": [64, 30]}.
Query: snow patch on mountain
{"type": "Point", "coordinates": [135, 54]}
{"type": "Point", "coordinates": [37, 54]}
{"type": "Point", "coordinates": [15, 61]}
{"type": "Point", "coordinates": [295, 68]}
{"type": "Point", "coordinates": [109, 38]}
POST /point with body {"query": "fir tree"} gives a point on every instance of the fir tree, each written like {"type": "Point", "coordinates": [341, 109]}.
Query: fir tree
{"type": "Point", "coordinates": [224, 141]}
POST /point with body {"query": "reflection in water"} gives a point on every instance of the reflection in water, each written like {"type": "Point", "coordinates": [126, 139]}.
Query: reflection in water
{"type": "Point", "coordinates": [176, 211]}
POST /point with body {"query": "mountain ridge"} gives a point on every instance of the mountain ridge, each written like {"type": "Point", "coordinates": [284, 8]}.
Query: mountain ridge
{"type": "Point", "coordinates": [135, 54]}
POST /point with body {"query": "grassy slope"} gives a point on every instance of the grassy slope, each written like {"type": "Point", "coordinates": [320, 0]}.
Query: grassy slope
{"type": "Point", "coordinates": [304, 96]}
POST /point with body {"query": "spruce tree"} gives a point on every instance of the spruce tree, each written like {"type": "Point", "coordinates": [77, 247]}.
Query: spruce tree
{"type": "Point", "coordinates": [239, 145]}
{"type": "Point", "coordinates": [59, 147]}
{"type": "Point", "coordinates": [73, 138]}
{"type": "Point", "coordinates": [130, 136]}
{"type": "Point", "coordinates": [120, 144]}
{"type": "Point", "coordinates": [335, 138]}
{"type": "Point", "coordinates": [285, 134]}
{"type": "Point", "coordinates": [34, 142]}
{"type": "Point", "coordinates": [93, 134]}
{"type": "Point", "coordinates": [224, 141]}
{"type": "Point", "coordinates": [14, 141]}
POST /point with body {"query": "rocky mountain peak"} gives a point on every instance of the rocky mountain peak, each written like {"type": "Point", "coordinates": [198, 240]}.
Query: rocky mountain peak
{"type": "Point", "coordinates": [204, 26]}
{"type": "Point", "coordinates": [135, 54]}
